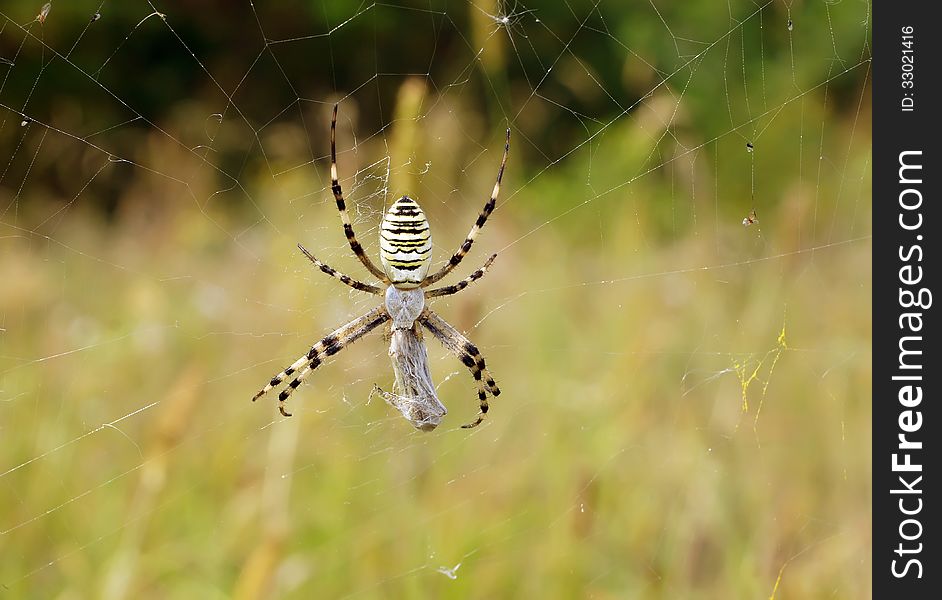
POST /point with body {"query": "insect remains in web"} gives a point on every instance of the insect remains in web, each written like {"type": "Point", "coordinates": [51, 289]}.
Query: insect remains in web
{"type": "Point", "coordinates": [43, 13]}
{"type": "Point", "coordinates": [508, 17]}
{"type": "Point", "coordinates": [750, 219]}
{"type": "Point", "coordinates": [406, 255]}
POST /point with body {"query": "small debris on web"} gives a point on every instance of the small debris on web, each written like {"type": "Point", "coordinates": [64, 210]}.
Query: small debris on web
{"type": "Point", "coordinates": [791, 25]}
{"type": "Point", "coordinates": [451, 573]}
{"type": "Point", "coordinates": [44, 12]}
{"type": "Point", "coordinates": [95, 17]}
{"type": "Point", "coordinates": [24, 122]}
{"type": "Point", "coordinates": [750, 219]}
{"type": "Point", "coordinates": [749, 147]}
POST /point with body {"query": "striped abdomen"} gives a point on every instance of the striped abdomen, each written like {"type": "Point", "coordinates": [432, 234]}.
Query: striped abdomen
{"type": "Point", "coordinates": [405, 244]}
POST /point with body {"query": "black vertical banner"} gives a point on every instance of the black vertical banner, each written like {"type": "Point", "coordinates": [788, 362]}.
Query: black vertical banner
{"type": "Point", "coordinates": [906, 266]}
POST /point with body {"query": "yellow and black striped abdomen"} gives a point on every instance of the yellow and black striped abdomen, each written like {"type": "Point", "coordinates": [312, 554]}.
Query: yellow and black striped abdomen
{"type": "Point", "coordinates": [405, 244]}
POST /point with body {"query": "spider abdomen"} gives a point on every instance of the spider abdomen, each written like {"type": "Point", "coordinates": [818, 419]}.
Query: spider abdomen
{"type": "Point", "coordinates": [405, 244]}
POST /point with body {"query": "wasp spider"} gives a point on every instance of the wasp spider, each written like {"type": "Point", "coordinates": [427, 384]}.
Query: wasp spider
{"type": "Point", "coordinates": [406, 255]}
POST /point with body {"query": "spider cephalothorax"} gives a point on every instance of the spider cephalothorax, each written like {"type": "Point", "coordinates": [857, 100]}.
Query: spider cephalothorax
{"type": "Point", "coordinates": [406, 255]}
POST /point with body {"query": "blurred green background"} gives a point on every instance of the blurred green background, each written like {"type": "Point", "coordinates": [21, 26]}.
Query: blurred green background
{"type": "Point", "coordinates": [686, 400]}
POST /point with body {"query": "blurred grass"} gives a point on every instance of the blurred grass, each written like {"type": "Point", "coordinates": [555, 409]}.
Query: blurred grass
{"type": "Point", "coordinates": [616, 459]}
{"type": "Point", "coordinates": [628, 327]}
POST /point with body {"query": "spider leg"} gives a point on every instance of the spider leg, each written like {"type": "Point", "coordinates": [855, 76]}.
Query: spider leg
{"type": "Point", "coordinates": [342, 206]}
{"type": "Point", "coordinates": [482, 218]}
{"type": "Point", "coordinates": [330, 345]}
{"type": "Point", "coordinates": [467, 353]}
{"type": "Point", "coordinates": [454, 289]}
{"type": "Point", "coordinates": [357, 285]}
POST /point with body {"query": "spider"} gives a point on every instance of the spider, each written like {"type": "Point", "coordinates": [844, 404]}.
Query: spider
{"type": "Point", "coordinates": [406, 255]}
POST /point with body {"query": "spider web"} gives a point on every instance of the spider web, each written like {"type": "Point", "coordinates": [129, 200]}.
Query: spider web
{"type": "Point", "coordinates": [678, 316]}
